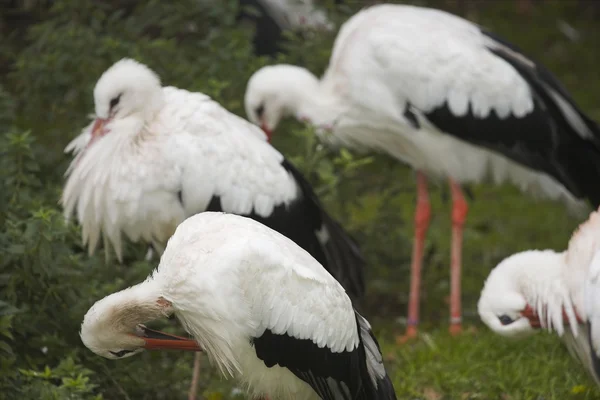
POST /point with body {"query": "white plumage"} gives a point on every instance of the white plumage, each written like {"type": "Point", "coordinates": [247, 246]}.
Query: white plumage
{"type": "Point", "coordinates": [128, 181]}
{"type": "Point", "coordinates": [390, 58]}
{"type": "Point", "coordinates": [450, 99]}
{"type": "Point", "coordinates": [249, 296]}
{"type": "Point", "coordinates": [559, 291]}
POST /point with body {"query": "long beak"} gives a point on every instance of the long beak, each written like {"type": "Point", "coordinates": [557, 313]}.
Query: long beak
{"type": "Point", "coordinates": [267, 131]}
{"type": "Point", "coordinates": [534, 319]}
{"type": "Point", "coordinates": [157, 340]}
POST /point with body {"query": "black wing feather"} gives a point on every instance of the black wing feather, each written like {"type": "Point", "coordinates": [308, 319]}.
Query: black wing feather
{"type": "Point", "coordinates": [544, 140]}
{"type": "Point", "coordinates": [333, 376]}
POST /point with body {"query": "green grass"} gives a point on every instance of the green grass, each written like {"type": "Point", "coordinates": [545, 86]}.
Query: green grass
{"type": "Point", "coordinates": [480, 365]}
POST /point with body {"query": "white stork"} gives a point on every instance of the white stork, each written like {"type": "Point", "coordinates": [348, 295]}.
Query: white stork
{"type": "Point", "coordinates": [450, 99]}
{"type": "Point", "coordinates": [264, 310]}
{"type": "Point", "coordinates": [156, 155]}
{"type": "Point", "coordinates": [555, 290]}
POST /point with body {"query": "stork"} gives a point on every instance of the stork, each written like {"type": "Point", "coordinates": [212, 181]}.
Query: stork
{"type": "Point", "coordinates": [155, 155]}
{"type": "Point", "coordinates": [559, 291]}
{"type": "Point", "coordinates": [450, 99]}
{"type": "Point", "coordinates": [264, 310]}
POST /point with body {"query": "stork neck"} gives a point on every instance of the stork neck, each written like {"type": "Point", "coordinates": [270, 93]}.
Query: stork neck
{"type": "Point", "coordinates": [155, 103]}
{"type": "Point", "coordinates": [545, 289]}
{"type": "Point", "coordinates": [136, 305]}
{"type": "Point", "coordinates": [317, 105]}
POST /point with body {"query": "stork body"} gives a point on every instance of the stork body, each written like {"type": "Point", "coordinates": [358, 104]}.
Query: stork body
{"type": "Point", "coordinates": [558, 291]}
{"type": "Point", "coordinates": [261, 307]}
{"type": "Point", "coordinates": [448, 98]}
{"type": "Point", "coordinates": [156, 155]}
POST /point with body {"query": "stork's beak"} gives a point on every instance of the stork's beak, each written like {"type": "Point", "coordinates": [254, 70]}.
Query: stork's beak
{"type": "Point", "coordinates": [534, 319]}
{"type": "Point", "coordinates": [532, 316]}
{"type": "Point", "coordinates": [97, 129]}
{"type": "Point", "coordinates": [267, 131]}
{"type": "Point", "coordinates": [157, 340]}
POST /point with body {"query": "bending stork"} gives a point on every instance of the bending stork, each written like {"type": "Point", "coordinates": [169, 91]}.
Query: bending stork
{"type": "Point", "coordinates": [554, 290]}
{"type": "Point", "coordinates": [262, 308]}
{"type": "Point", "coordinates": [448, 98]}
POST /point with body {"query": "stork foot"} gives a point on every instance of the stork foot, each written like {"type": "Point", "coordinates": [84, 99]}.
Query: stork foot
{"type": "Point", "coordinates": [411, 334]}
{"type": "Point", "coordinates": [455, 329]}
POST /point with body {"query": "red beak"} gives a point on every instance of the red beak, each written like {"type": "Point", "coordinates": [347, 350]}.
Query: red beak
{"type": "Point", "coordinates": [157, 340]}
{"type": "Point", "coordinates": [267, 131]}
{"type": "Point", "coordinates": [98, 130]}
{"type": "Point", "coordinates": [534, 319]}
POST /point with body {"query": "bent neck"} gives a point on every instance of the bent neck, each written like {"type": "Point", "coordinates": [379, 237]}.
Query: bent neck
{"type": "Point", "coordinates": [138, 304]}
{"type": "Point", "coordinates": [315, 103]}
{"type": "Point", "coordinates": [546, 290]}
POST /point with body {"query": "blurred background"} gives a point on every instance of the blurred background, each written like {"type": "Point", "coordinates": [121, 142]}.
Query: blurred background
{"type": "Point", "coordinates": [51, 55]}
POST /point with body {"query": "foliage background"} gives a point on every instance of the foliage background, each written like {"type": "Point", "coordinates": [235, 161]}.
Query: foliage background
{"type": "Point", "coordinates": [52, 53]}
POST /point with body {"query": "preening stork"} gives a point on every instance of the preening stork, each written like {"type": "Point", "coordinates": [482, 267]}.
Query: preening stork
{"type": "Point", "coordinates": [157, 155]}
{"type": "Point", "coordinates": [558, 291]}
{"type": "Point", "coordinates": [261, 307]}
{"type": "Point", "coordinates": [450, 99]}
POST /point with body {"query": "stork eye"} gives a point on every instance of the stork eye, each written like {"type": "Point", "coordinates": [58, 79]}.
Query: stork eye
{"type": "Point", "coordinates": [260, 110]}
{"type": "Point", "coordinates": [505, 319]}
{"type": "Point", "coordinates": [115, 100]}
{"type": "Point", "coordinates": [120, 353]}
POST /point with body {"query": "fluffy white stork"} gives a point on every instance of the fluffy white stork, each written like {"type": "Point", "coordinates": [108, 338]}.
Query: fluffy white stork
{"type": "Point", "coordinates": [261, 307]}
{"type": "Point", "coordinates": [450, 99]}
{"type": "Point", "coordinates": [559, 291]}
{"type": "Point", "coordinates": [156, 155]}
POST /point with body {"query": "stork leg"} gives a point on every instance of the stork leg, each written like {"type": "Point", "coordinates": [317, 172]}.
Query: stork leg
{"type": "Point", "coordinates": [195, 377]}
{"type": "Point", "coordinates": [460, 209]}
{"type": "Point", "coordinates": [422, 217]}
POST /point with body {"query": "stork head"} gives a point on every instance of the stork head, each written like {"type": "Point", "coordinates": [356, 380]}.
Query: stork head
{"type": "Point", "coordinates": [113, 328]}
{"type": "Point", "coordinates": [127, 88]}
{"type": "Point", "coordinates": [276, 91]}
{"type": "Point", "coordinates": [522, 291]}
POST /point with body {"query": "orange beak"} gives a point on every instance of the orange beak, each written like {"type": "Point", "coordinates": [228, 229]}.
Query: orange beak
{"type": "Point", "coordinates": [97, 130]}
{"type": "Point", "coordinates": [157, 340]}
{"type": "Point", "coordinates": [534, 319]}
{"type": "Point", "coordinates": [267, 131]}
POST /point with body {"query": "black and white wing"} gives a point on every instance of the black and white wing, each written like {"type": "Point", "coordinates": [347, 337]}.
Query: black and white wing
{"type": "Point", "coordinates": [308, 325]}
{"type": "Point", "coordinates": [230, 167]}
{"type": "Point", "coordinates": [432, 69]}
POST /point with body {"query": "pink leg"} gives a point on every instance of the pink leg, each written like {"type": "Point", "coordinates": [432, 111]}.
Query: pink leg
{"type": "Point", "coordinates": [422, 217]}
{"type": "Point", "coordinates": [195, 377]}
{"type": "Point", "coordinates": [460, 209]}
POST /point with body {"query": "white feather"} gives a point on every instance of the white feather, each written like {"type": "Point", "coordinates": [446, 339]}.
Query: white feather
{"type": "Point", "coordinates": [127, 182]}
{"type": "Point", "coordinates": [230, 278]}
{"type": "Point", "coordinates": [391, 57]}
